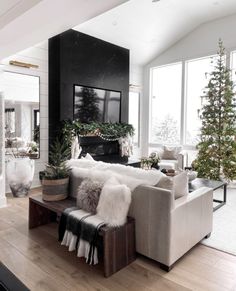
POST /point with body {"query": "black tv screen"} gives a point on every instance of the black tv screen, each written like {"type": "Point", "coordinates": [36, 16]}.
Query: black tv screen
{"type": "Point", "coordinates": [94, 104]}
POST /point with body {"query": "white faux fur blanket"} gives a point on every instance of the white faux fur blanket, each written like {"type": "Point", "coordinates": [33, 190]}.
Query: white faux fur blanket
{"type": "Point", "coordinates": [130, 176]}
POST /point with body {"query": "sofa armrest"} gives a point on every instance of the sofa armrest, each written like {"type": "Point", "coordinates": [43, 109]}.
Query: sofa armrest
{"type": "Point", "coordinates": [191, 221]}
{"type": "Point", "coordinates": [193, 195]}
{"type": "Point", "coordinates": [151, 207]}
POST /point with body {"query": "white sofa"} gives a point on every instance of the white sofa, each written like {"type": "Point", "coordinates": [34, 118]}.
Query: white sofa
{"type": "Point", "coordinates": [165, 228]}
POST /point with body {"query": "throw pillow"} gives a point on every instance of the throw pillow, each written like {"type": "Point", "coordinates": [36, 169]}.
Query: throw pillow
{"type": "Point", "coordinates": [89, 157]}
{"type": "Point", "coordinates": [114, 202]}
{"type": "Point", "coordinates": [177, 184]}
{"type": "Point", "coordinates": [170, 153]}
{"type": "Point", "coordinates": [180, 185]}
{"type": "Point", "coordinates": [88, 195]}
{"type": "Point", "coordinates": [165, 183]}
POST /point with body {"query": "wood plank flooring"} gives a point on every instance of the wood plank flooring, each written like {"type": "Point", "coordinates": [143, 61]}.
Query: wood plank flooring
{"type": "Point", "coordinates": [37, 259]}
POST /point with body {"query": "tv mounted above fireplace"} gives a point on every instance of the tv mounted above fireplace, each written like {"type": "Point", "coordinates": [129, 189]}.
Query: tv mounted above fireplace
{"type": "Point", "coordinates": [95, 104]}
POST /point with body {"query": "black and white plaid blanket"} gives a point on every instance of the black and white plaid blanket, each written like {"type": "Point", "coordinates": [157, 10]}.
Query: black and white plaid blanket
{"type": "Point", "coordinates": [78, 230]}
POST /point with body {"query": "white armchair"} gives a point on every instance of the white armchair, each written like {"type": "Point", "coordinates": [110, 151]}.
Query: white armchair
{"type": "Point", "coordinates": [172, 158]}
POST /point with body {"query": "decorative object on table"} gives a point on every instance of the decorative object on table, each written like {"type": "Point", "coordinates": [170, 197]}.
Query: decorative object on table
{"type": "Point", "coordinates": [170, 172]}
{"type": "Point", "coordinates": [20, 173]}
{"type": "Point", "coordinates": [121, 132]}
{"type": "Point", "coordinates": [56, 176]}
{"type": "Point", "coordinates": [216, 158]}
{"type": "Point", "coordinates": [146, 163]}
{"type": "Point", "coordinates": [150, 162]}
{"type": "Point", "coordinates": [191, 175]}
{"type": "Point", "coordinates": [155, 159]}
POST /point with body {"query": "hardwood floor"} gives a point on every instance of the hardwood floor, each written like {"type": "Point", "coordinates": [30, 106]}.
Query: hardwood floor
{"type": "Point", "coordinates": [37, 259]}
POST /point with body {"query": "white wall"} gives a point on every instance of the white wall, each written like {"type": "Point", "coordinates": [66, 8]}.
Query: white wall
{"type": "Point", "coordinates": [201, 42]}
{"type": "Point", "coordinates": [37, 55]}
{"type": "Point", "coordinates": [136, 85]}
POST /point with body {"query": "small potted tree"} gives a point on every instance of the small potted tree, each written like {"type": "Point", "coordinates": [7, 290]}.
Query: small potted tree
{"type": "Point", "coordinates": [56, 176]}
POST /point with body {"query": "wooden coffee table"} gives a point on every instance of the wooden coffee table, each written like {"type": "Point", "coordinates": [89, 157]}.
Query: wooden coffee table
{"type": "Point", "coordinates": [200, 182]}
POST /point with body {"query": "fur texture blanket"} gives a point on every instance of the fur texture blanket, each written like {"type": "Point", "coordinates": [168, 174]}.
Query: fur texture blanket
{"type": "Point", "coordinates": [130, 176]}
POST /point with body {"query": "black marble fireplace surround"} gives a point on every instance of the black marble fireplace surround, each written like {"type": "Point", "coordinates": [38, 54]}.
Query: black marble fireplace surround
{"type": "Point", "coordinates": [77, 58]}
{"type": "Point", "coordinates": [101, 150]}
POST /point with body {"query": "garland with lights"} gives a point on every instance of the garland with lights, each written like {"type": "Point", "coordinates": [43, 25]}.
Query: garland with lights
{"type": "Point", "coordinates": [106, 131]}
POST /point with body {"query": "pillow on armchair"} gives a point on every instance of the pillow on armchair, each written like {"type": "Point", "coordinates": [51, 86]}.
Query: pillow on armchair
{"type": "Point", "coordinates": [177, 184]}
{"type": "Point", "coordinates": [170, 153]}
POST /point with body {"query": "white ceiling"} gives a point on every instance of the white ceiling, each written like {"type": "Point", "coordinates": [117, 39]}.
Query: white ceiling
{"type": "Point", "coordinates": [148, 29]}
{"type": "Point", "coordinates": [23, 24]}
{"type": "Point", "coordinates": [10, 9]}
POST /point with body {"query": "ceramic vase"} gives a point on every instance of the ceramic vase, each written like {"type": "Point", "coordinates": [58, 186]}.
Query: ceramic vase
{"type": "Point", "coordinates": [20, 173]}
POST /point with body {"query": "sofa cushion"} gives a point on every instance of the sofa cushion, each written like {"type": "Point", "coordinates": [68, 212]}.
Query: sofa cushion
{"type": "Point", "coordinates": [170, 153]}
{"type": "Point", "coordinates": [178, 184]}
{"type": "Point", "coordinates": [88, 195]}
{"type": "Point", "coordinates": [114, 202]}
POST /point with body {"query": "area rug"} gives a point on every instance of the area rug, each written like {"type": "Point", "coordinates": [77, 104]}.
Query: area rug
{"type": "Point", "coordinates": [223, 236]}
{"type": "Point", "coordinates": [9, 282]}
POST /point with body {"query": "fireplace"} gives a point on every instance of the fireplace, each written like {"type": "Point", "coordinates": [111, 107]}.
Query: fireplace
{"type": "Point", "coordinates": [101, 150]}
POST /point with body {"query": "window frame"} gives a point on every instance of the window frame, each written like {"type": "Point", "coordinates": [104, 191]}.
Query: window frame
{"type": "Point", "coordinates": [183, 110]}
{"type": "Point", "coordinates": [137, 91]}
{"type": "Point", "coordinates": [151, 144]}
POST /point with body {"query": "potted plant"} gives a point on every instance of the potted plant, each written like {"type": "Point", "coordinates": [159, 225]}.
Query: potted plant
{"type": "Point", "coordinates": [150, 162]}
{"type": "Point", "coordinates": [56, 175]}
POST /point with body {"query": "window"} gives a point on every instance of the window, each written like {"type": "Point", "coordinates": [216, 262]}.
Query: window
{"type": "Point", "coordinates": [166, 82]}
{"type": "Point", "coordinates": [196, 79]}
{"type": "Point", "coordinates": [134, 114]}
{"type": "Point", "coordinates": [233, 65]}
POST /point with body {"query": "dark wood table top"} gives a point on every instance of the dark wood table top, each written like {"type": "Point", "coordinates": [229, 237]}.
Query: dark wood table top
{"type": "Point", "coordinates": [201, 182]}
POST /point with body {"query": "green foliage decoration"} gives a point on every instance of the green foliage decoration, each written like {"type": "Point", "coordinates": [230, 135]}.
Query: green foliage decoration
{"type": "Point", "coordinates": [104, 130]}
{"type": "Point", "coordinates": [58, 155]}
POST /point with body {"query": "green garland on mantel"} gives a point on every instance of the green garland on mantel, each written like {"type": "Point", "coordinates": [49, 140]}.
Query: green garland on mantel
{"type": "Point", "coordinates": [107, 131]}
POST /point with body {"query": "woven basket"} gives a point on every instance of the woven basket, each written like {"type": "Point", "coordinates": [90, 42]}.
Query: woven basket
{"type": "Point", "coordinates": [55, 190]}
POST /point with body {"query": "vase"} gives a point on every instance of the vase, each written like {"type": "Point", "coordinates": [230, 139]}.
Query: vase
{"type": "Point", "coordinates": [20, 173]}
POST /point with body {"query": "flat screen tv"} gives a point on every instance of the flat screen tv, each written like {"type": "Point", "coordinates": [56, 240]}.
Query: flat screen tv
{"type": "Point", "coordinates": [94, 104]}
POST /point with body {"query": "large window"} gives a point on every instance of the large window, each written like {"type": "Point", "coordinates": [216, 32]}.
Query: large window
{"type": "Point", "coordinates": [233, 65]}
{"type": "Point", "coordinates": [134, 114]}
{"type": "Point", "coordinates": [196, 78]}
{"type": "Point", "coordinates": [166, 104]}
{"type": "Point", "coordinates": [176, 101]}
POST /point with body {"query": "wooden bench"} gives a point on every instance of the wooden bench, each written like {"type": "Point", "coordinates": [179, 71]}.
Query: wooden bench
{"type": "Point", "coordinates": [118, 243]}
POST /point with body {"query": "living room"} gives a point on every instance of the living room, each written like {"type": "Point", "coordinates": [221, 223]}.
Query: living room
{"type": "Point", "coordinates": [104, 85]}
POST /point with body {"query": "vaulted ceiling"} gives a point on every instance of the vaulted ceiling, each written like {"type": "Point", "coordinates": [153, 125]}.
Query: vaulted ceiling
{"type": "Point", "coordinates": [23, 23]}
{"type": "Point", "coordinates": [10, 9]}
{"type": "Point", "coordinates": [149, 27]}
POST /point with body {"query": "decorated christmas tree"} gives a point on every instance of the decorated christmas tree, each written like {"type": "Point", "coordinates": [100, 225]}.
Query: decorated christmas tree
{"type": "Point", "coordinates": [217, 148]}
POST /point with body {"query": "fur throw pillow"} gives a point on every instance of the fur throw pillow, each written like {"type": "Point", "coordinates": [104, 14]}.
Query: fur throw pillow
{"type": "Point", "coordinates": [114, 202]}
{"type": "Point", "coordinates": [88, 195]}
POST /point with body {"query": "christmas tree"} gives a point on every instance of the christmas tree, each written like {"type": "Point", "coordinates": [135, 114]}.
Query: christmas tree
{"type": "Point", "coordinates": [217, 148]}
{"type": "Point", "coordinates": [87, 109]}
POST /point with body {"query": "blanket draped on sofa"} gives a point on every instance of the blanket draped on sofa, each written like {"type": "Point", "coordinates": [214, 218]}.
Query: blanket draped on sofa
{"type": "Point", "coordinates": [78, 230]}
